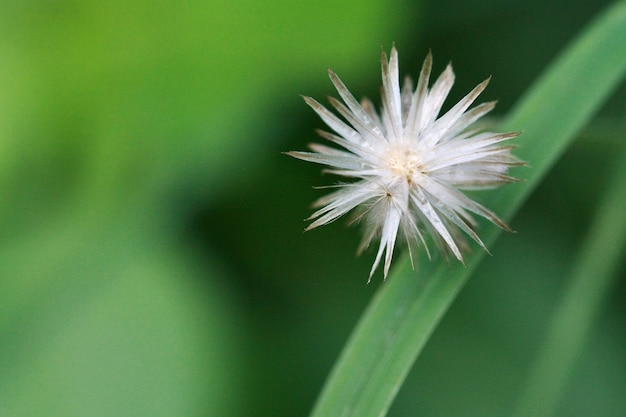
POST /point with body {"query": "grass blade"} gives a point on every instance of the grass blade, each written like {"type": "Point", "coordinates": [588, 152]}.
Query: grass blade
{"type": "Point", "coordinates": [593, 275]}
{"type": "Point", "coordinates": [406, 309]}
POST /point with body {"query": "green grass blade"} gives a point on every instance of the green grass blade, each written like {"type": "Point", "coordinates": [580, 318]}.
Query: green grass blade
{"type": "Point", "coordinates": [406, 309]}
{"type": "Point", "coordinates": [564, 99]}
{"type": "Point", "coordinates": [593, 276]}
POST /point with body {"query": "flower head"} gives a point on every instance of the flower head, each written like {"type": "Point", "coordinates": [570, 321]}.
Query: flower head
{"type": "Point", "coordinates": [407, 165]}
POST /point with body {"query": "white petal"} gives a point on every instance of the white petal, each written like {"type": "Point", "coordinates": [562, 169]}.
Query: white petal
{"type": "Point", "coordinates": [421, 202]}
{"type": "Point", "coordinates": [470, 117]}
{"type": "Point", "coordinates": [436, 96]}
{"type": "Point", "coordinates": [364, 151]}
{"type": "Point", "coordinates": [368, 130]}
{"type": "Point", "coordinates": [440, 127]}
{"type": "Point", "coordinates": [356, 110]}
{"type": "Point", "coordinates": [334, 160]}
{"type": "Point", "coordinates": [342, 201]}
{"type": "Point", "coordinates": [334, 122]}
{"type": "Point", "coordinates": [369, 108]}
{"type": "Point", "coordinates": [391, 95]}
{"type": "Point", "coordinates": [414, 119]}
{"type": "Point", "coordinates": [388, 238]}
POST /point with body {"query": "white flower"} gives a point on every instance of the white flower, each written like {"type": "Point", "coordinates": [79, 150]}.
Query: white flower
{"type": "Point", "coordinates": [407, 165]}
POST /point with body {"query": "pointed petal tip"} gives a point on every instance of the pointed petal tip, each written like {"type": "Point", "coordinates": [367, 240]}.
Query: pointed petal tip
{"type": "Point", "coordinates": [459, 257]}
{"type": "Point", "coordinates": [310, 101]}
{"type": "Point", "coordinates": [298, 155]}
{"type": "Point", "coordinates": [428, 61]}
{"type": "Point", "coordinates": [386, 272]}
{"type": "Point", "coordinates": [502, 225]}
{"type": "Point", "coordinates": [383, 59]}
{"type": "Point", "coordinates": [293, 154]}
{"type": "Point", "coordinates": [448, 74]}
{"type": "Point", "coordinates": [394, 51]}
{"type": "Point", "coordinates": [312, 225]}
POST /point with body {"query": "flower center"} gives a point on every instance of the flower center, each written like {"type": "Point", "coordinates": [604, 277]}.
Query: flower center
{"type": "Point", "coordinates": [404, 163]}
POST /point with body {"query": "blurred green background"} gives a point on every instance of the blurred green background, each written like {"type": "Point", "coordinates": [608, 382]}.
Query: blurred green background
{"type": "Point", "coordinates": [152, 260]}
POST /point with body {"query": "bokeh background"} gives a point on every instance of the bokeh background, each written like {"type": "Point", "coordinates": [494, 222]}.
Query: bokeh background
{"type": "Point", "coordinates": [152, 260]}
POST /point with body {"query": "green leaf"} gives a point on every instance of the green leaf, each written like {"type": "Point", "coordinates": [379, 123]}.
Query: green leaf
{"type": "Point", "coordinates": [593, 275]}
{"type": "Point", "coordinates": [406, 309]}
